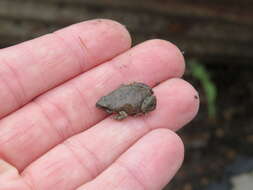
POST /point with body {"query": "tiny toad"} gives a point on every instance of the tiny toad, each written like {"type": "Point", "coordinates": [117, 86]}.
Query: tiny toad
{"type": "Point", "coordinates": [133, 99]}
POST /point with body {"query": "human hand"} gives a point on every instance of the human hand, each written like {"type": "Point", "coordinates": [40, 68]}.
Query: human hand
{"type": "Point", "coordinates": [52, 137]}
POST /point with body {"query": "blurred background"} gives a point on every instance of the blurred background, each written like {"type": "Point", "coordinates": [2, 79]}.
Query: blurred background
{"type": "Point", "coordinates": [216, 37]}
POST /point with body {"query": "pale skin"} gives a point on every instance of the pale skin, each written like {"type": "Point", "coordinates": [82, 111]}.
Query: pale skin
{"type": "Point", "coordinates": [53, 137]}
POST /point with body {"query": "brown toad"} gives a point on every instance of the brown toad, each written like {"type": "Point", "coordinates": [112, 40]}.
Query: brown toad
{"type": "Point", "coordinates": [133, 99]}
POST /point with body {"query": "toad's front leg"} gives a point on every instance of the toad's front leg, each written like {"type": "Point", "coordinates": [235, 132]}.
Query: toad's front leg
{"type": "Point", "coordinates": [121, 115]}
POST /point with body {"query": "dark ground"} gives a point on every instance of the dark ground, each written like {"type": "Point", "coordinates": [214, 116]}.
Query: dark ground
{"type": "Point", "coordinates": [212, 146]}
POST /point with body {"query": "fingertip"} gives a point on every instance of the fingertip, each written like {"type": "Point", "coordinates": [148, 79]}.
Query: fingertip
{"type": "Point", "coordinates": [111, 28]}
{"type": "Point", "coordinates": [171, 143]}
{"type": "Point", "coordinates": [178, 104]}
{"type": "Point", "coordinates": [160, 150]}
{"type": "Point", "coordinates": [170, 53]}
{"type": "Point", "coordinates": [189, 98]}
{"type": "Point", "coordinates": [156, 59]}
{"type": "Point", "coordinates": [98, 40]}
{"type": "Point", "coordinates": [122, 29]}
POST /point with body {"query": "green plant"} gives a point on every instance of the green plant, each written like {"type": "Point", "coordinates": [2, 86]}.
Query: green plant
{"type": "Point", "coordinates": [199, 72]}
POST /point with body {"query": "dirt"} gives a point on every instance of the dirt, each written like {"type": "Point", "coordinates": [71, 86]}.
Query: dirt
{"type": "Point", "coordinates": [212, 145]}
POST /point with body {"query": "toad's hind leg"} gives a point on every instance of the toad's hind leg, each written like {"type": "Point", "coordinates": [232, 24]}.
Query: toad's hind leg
{"type": "Point", "coordinates": [121, 115]}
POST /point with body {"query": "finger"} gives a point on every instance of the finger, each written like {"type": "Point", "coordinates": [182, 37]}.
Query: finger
{"type": "Point", "coordinates": [90, 152]}
{"type": "Point", "coordinates": [70, 108]}
{"type": "Point", "coordinates": [33, 67]}
{"type": "Point", "coordinates": [148, 164]}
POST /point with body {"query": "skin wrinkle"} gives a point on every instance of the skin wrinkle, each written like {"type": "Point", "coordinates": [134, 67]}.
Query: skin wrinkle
{"type": "Point", "coordinates": [16, 76]}
{"type": "Point", "coordinates": [67, 146]}
{"type": "Point", "coordinates": [63, 114]}
{"type": "Point", "coordinates": [147, 130]}
{"type": "Point", "coordinates": [42, 78]}
{"type": "Point", "coordinates": [80, 63]}
{"type": "Point", "coordinates": [92, 154]}
{"type": "Point", "coordinates": [27, 177]}
{"type": "Point", "coordinates": [131, 174]}
{"type": "Point", "coordinates": [133, 123]}
{"type": "Point", "coordinates": [98, 163]}
{"type": "Point", "coordinates": [84, 48]}
{"type": "Point", "coordinates": [43, 73]}
{"type": "Point", "coordinates": [85, 102]}
{"type": "Point", "coordinates": [110, 24]}
{"type": "Point", "coordinates": [59, 134]}
{"type": "Point", "coordinates": [16, 135]}
{"type": "Point", "coordinates": [57, 182]}
{"type": "Point", "coordinates": [52, 168]}
{"type": "Point", "coordinates": [28, 181]}
{"type": "Point", "coordinates": [19, 100]}
{"type": "Point", "coordinates": [103, 168]}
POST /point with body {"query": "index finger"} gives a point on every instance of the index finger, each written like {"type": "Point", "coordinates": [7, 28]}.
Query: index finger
{"type": "Point", "coordinates": [31, 68]}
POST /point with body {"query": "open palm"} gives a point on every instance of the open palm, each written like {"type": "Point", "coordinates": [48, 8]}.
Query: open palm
{"type": "Point", "coordinates": [52, 137]}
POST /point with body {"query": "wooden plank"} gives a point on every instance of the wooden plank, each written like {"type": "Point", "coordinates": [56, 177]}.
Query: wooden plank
{"type": "Point", "coordinates": [139, 22]}
{"type": "Point", "coordinates": [197, 35]}
{"type": "Point", "coordinates": [227, 10]}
